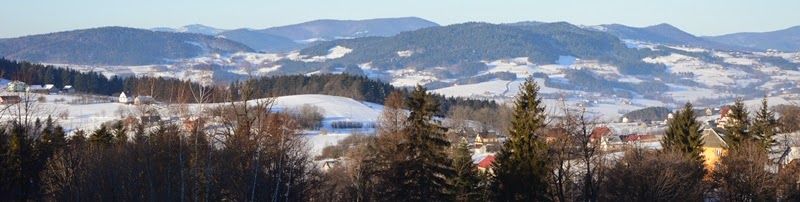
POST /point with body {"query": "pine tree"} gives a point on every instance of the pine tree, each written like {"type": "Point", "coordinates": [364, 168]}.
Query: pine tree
{"type": "Point", "coordinates": [17, 162]}
{"type": "Point", "coordinates": [120, 132]}
{"type": "Point", "coordinates": [53, 137]}
{"type": "Point", "coordinates": [683, 133]}
{"type": "Point", "coordinates": [738, 124]}
{"type": "Point", "coordinates": [101, 136]}
{"type": "Point", "coordinates": [425, 166]}
{"type": "Point", "coordinates": [521, 167]}
{"type": "Point", "coordinates": [466, 181]}
{"type": "Point", "coordinates": [764, 125]}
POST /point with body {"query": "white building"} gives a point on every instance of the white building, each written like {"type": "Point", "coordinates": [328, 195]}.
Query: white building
{"type": "Point", "coordinates": [124, 98]}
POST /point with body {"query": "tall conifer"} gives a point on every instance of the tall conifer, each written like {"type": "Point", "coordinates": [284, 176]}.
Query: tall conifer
{"type": "Point", "coordinates": [683, 133]}
{"type": "Point", "coordinates": [764, 125]}
{"type": "Point", "coordinates": [425, 166]}
{"type": "Point", "coordinates": [738, 125]}
{"type": "Point", "coordinates": [521, 167]}
{"type": "Point", "coordinates": [466, 181]}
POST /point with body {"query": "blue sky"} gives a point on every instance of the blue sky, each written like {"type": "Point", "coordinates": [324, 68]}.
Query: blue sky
{"type": "Point", "coordinates": [701, 17]}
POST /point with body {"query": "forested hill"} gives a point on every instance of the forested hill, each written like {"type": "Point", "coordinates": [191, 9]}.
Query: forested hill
{"type": "Point", "coordinates": [174, 90]}
{"type": "Point", "coordinates": [114, 46]}
{"type": "Point", "coordinates": [334, 29]}
{"type": "Point", "coordinates": [666, 34]}
{"type": "Point", "coordinates": [460, 47]}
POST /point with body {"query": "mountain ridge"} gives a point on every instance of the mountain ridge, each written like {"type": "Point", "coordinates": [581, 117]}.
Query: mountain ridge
{"type": "Point", "coordinates": [114, 46]}
{"type": "Point", "coordinates": [329, 29]}
{"type": "Point", "coordinates": [665, 33]}
{"type": "Point", "coordinates": [787, 39]}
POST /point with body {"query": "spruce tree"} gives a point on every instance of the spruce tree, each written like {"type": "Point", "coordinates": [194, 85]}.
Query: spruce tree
{"type": "Point", "coordinates": [425, 166]}
{"type": "Point", "coordinates": [53, 137]}
{"type": "Point", "coordinates": [521, 167]}
{"type": "Point", "coordinates": [101, 136]}
{"type": "Point", "coordinates": [120, 132]}
{"type": "Point", "coordinates": [764, 125]}
{"type": "Point", "coordinates": [737, 126]}
{"type": "Point", "coordinates": [17, 161]}
{"type": "Point", "coordinates": [466, 181]}
{"type": "Point", "coordinates": [683, 133]}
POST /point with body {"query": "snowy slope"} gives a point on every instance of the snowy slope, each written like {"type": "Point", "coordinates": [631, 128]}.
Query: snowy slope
{"type": "Point", "coordinates": [333, 107]}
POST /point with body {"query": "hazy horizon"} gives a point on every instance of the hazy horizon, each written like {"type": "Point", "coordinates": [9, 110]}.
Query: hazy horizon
{"type": "Point", "coordinates": [704, 18]}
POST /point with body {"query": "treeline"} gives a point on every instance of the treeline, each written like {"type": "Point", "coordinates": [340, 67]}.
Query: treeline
{"type": "Point", "coordinates": [36, 74]}
{"type": "Point", "coordinates": [257, 156]}
{"type": "Point", "coordinates": [162, 89]}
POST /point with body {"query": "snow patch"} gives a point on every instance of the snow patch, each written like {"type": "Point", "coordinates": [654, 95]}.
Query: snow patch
{"type": "Point", "coordinates": [333, 53]}
{"type": "Point", "coordinates": [405, 53]}
{"type": "Point", "coordinates": [411, 77]}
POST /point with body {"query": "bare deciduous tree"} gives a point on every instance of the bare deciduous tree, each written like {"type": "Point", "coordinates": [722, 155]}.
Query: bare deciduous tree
{"type": "Point", "coordinates": [743, 175]}
{"type": "Point", "coordinates": [643, 175]}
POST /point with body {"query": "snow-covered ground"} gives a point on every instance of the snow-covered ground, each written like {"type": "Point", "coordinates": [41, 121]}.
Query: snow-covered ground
{"type": "Point", "coordinates": [87, 117]}
{"type": "Point", "coordinates": [333, 53]}
{"type": "Point", "coordinates": [411, 77]}
{"type": "Point", "coordinates": [333, 108]}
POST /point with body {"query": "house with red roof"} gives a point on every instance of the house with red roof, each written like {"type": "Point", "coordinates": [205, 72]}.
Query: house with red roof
{"type": "Point", "coordinates": [599, 133]}
{"type": "Point", "coordinates": [485, 165]}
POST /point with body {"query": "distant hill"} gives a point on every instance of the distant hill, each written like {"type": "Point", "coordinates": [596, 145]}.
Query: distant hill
{"type": "Point", "coordinates": [338, 29]}
{"type": "Point", "coordinates": [461, 47]}
{"type": "Point", "coordinates": [783, 40]}
{"type": "Point", "coordinates": [665, 34]}
{"type": "Point", "coordinates": [114, 46]}
{"type": "Point", "coordinates": [193, 28]}
{"type": "Point", "coordinates": [261, 41]}
{"type": "Point", "coordinates": [296, 36]}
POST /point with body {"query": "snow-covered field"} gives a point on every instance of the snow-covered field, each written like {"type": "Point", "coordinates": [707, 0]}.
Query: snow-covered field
{"type": "Point", "coordinates": [333, 108]}
{"type": "Point", "coordinates": [333, 53]}
{"type": "Point", "coordinates": [88, 117]}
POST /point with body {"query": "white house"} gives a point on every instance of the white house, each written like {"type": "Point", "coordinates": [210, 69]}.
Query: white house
{"type": "Point", "coordinates": [124, 98]}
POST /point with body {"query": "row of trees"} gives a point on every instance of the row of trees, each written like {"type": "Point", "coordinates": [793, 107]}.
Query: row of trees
{"type": "Point", "coordinates": [164, 89]}
{"type": "Point", "coordinates": [237, 153]}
